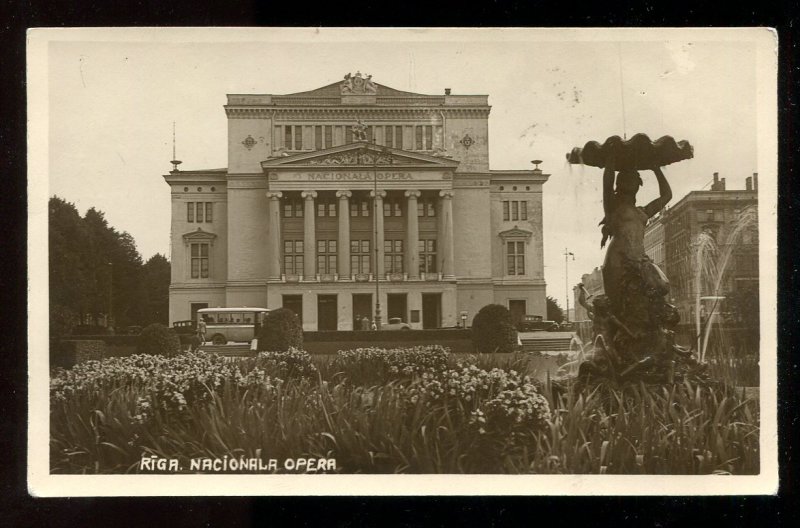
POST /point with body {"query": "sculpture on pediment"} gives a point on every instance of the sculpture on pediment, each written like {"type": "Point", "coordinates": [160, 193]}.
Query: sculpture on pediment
{"type": "Point", "coordinates": [359, 131]}
{"type": "Point", "coordinates": [357, 84]}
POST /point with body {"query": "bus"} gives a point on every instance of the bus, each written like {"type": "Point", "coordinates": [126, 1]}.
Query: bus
{"type": "Point", "coordinates": [237, 325]}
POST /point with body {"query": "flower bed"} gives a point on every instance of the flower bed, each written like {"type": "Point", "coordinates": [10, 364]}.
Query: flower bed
{"type": "Point", "coordinates": [411, 410]}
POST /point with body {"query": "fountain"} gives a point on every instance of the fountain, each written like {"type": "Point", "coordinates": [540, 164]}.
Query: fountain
{"type": "Point", "coordinates": [711, 267]}
{"type": "Point", "coordinates": [633, 324]}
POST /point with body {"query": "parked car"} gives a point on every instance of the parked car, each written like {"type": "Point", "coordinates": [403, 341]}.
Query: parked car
{"type": "Point", "coordinates": [132, 330]}
{"type": "Point", "coordinates": [184, 327]}
{"type": "Point", "coordinates": [536, 324]}
{"type": "Point", "coordinates": [395, 323]}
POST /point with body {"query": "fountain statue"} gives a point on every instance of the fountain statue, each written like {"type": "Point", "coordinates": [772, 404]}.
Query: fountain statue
{"type": "Point", "coordinates": [633, 324]}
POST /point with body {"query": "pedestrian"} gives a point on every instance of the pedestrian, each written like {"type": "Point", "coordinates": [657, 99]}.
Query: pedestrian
{"type": "Point", "coordinates": [374, 326]}
{"type": "Point", "coordinates": [201, 330]}
{"type": "Point", "coordinates": [357, 323]}
{"type": "Point", "coordinates": [365, 323]}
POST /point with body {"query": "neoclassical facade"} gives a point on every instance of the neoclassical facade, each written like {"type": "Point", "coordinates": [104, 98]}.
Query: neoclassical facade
{"type": "Point", "coordinates": [329, 191]}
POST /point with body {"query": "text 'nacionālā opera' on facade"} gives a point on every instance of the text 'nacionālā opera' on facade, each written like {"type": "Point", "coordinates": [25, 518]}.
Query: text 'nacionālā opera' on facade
{"type": "Point", "coordinates": [291, 222]}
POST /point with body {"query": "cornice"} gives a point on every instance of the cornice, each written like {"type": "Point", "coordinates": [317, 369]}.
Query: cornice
{"type": "Point", "coordinates": [353, 112]}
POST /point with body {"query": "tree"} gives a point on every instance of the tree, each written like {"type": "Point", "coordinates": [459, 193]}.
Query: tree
{"type": "Point", "coordinates": [554, 311]}
{"type": "Point", "coordinates": [96, 270]}
{"type": "Point", "coordinates": [492, 330]}
{"type": "Point", "coordinates": [155, 288]}
{"type": "Point", "coordinates": [281, 331]}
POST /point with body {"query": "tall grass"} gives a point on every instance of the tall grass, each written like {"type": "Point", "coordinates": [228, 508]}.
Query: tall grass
{"type": "Point", "coordinates": [390, 415]}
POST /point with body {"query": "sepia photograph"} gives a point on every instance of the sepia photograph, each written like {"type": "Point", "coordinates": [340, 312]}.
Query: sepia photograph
{"type": "Point", "coordinates": [341, 261]}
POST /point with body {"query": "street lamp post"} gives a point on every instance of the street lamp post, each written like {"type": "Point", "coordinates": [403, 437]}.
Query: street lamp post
{"type": "Point", "coordinates": [375, 244]}
{"type": "Point", "coordinates": [567, 254]}
{"type": "Point", "coordinates": [110, 294]}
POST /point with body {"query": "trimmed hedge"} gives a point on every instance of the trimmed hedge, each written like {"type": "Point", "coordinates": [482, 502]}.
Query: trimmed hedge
{"type": "Point", "coordinates": [281, 331]}
{"type": "Point", "coordinates": [157, 339]}
{"type": "Point", "coordinates": [69, 352]}
{"type": "Point", "coordinates": [493, 330]}
{"type": "Point", "coordinates": [371, 336]}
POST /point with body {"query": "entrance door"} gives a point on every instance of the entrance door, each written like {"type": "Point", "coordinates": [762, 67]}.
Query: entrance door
{"type": "Point", "coordinates": [362, 307]}
{"type": "Point", "coordinates": [518, 309]}
{"type": "Point", "coordinates": [295, 304]}
{"type": "Point", "coordinates": [396, 306]}
{"type": "Point", "coordinates": [197, 306]}
{"type": "Point", "coordinates": [431, 310]}
{"type": "Point", "coordinates": [327, 315]}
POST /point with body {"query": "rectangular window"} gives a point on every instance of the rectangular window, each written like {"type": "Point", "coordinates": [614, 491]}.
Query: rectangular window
{"type": "Point", "coordinates": [298, 138]}
{"type": "Point", "coordinates": [398, 137]}
{"type": "Point", "coordinates": [370, 136]}
{"type": "Point", "coordinates": [287, 210]}
{"type": "Point", "coordinates": [209, 210]}
{"type": "Point", "coordinates": [431, 206]}
{"type": "Point", "coordinates": [515, 254]}
{"type": "Point", "coordinates": [190, 212]}
{"type": "Point", "coordinates": [326, 256]}
{"type": "Point", "coordinates": [199, 254]}
{"type": "Point", "coordinates": [387, 208]}
{"type": "Point", "coordinates": [331, 208]}
{"type": "Point", "coordinates": [420, 208]}
{"type": "Point", "coordinates": [398, 211]}
{"type": "Point", "coordinates": [506, 216]}
{"type": "Point", "coordinates": [364, 208]}
{"type": "Point", "coordinates": [418, 132]}
{"type": "Point", "coordinates": [427, 256]}
{"type": "Point", "coordinates": [388, 136]}
{"type": "Point", "coordinates": [293, 257]}
{"type": "Point", "coordinates": [393, 256]}
{"type": "Point", "coordinates": [288, 138]}
{"type": "Point", "coordinates": [514, 210]}
{"type": "Point", "coordinates": [328, 136]}
{"type": "Point", "coordinates": [318, 137]}
{"type": "Point", "coordinates": [428, 137]}
{"type": "Point", "coordinates": [199, 212]}
{"type": "Point", "coordinates": [360, 256]}
{"type": "Point", "coordinates": [523, 210]}
{"type": "Point", "coordinates": [348, 135]}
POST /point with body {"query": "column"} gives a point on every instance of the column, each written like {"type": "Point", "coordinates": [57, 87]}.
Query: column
{"type": "Point", "coordinates": [343, 255]}
{"type": "Point", "coordinates": [274, 237]}
{"type": "Point", "coordinates": [309, 237]}
{"type": "Point", "coordinates": [412, 235]}
{"type": "Point", "coordinates": [378, 212]}
{"type": "Point", "coordinates": [448, 265]}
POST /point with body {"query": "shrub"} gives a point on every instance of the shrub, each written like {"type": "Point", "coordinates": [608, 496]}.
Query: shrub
{"type": "Point", "coordinates": [281, 331]}
{"type": "Point", "coordinates": [492, 330]}
{"type": "Point", "coordinates": [286, 365]}
{"type": "Point", "coordinates": [157, 339]}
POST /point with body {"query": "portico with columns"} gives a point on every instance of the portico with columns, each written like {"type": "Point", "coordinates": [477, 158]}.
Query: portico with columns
{"type": "Point", "coordinates": [355, 193]}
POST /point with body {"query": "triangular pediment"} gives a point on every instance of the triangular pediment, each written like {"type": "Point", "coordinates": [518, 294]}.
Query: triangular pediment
{"type": "Point", "coordinates": [199, 234]}
{"type": "Point", "coordinates": [515, 232]}
{"type": "Point", "coordinates": [361, 154]}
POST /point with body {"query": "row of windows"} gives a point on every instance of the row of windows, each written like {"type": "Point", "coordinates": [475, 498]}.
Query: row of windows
{"type": "Point", "coordinates": [317, 137]}
{"type": "Point", "coordinates": [360, 256]}
{"type": "Point", "coordinates": [515, 210]}
{"type": "Point", "coordinates": [195, 210]}
{"type": "Point", "coordinates": [391, 207]}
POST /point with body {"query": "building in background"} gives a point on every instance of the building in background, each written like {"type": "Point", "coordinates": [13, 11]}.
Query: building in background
{"type": "Point", "coordinates": [654, 239]}
{"type": "Point", "coordinates": [593, 282]}
{"type": "Point", "coordinates": [289, 221]}
{"type": "Point", "coordinates": [716, 212]}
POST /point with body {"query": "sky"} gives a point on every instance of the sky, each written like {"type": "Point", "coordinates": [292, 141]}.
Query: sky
{"type": "Point", "coordinates": [112, 104]}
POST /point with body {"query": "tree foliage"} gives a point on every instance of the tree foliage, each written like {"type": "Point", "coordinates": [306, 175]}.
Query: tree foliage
{"type": "Point", "coordinates": [493, 330]}
{"type": "Point", "coordinates": [96, 270]}
{"type": "Point", "coordinates": [554, 311]}
{"type": "Point", "coordinates": [281, 331]}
